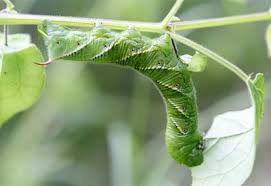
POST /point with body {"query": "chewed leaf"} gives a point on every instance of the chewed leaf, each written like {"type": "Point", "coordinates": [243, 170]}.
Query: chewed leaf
{"type": "Point", "coordinates": [21, 81]}
{"type": "Point", "coordinates": [230, 150]}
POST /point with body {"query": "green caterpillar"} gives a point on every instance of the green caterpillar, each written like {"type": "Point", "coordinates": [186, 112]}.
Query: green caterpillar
{"type": "Point", "coordinates": [156, 59]}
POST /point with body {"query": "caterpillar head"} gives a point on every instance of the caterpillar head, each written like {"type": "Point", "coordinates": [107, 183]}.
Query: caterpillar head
{"type": "Point", "coordinates": [62, 41]}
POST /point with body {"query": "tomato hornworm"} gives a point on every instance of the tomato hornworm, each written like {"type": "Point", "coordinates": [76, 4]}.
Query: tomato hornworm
{"type": "Point", "coordinates": [156, 59]}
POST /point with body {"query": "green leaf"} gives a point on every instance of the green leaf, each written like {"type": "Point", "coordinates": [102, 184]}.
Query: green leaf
{"type": "Point", "coordinates": [230, 143]}
{"type": "Point", "coordinates": [230, 150]}
{"type": "Point", "coordinates": [257, 92]}
{"type": "Point", "coordinates": [21, 80]}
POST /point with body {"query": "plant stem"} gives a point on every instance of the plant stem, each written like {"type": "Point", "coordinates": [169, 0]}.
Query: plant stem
{"type": "Point", "coordinates": [171, 13]}
{"type": "Point", "coordinates": [214, 22]}
{"type": "Point", "coordinates": [28, 19]}
{"type": "Point", "coordinates": [211, 55]}
{"type": "Point", "coordinates": [6, 35]}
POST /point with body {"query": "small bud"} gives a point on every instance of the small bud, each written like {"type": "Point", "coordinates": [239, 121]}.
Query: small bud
{"type": "Point", "coordinates": [196, 63]}
{"type": "Point", "coordinates": [175, 19]}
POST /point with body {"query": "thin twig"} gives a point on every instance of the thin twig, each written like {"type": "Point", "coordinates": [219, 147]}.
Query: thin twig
{"type": "Point", "coordinates": [224, 21]}
{"type": "Point", "coordinates": [9, 5]}
{"type": "Point", "coordinates": [172, 13]}
{"type": "Point", "coordinates": [9, 8]}
{"type": "Point", "coordinates": [29, 19]}
{"type": "Point", "coordinates": [6, 35]}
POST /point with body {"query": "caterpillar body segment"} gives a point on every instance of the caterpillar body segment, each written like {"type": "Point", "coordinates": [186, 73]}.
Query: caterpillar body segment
{"type": "Point", "coordinates": [156, 59]}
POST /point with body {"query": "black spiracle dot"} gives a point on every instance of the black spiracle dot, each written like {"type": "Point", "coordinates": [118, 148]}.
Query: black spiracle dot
{"type": "Point", "coordinates": [177, 86]}
{"type": "Point", "coordinates": [57, 42]}
{"type": "Point", "coordinates": [183, 109]}
{"type": "Point", "coordinates": [106, 45]}
{"type": "Point", "coordinates": [184, 130]}
{"type": "Point", "coordinates": [78, 43]}
{"type": "Point", "coordinates": [133, 50]}
{"type": "Point", "coordinates": [159, 64]}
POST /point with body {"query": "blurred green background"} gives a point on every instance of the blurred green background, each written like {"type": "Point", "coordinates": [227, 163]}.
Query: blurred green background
{"type": "Point", "coordinates": [99, 125]}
